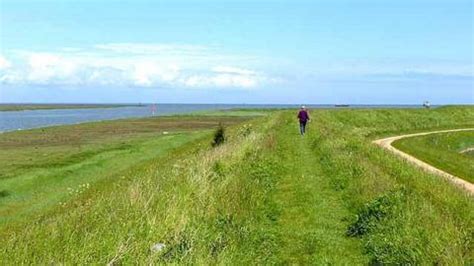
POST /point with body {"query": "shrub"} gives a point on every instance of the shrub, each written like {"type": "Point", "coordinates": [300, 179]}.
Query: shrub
{"type": "Point", "coordinates": [4, 193]}
{"type": "Point", "coordinates": [219, 136]}
{"type": "Point", "coordinates": [373, 212]}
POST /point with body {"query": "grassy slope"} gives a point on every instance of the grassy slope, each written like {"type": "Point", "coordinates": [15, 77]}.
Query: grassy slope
{"type": "Point", "coordinates": [42, 167]}
{"type": "Point", "coordinates": [268, 197]}
{"type": "Point", "coordinates": [45, 186]}
{"type": "Point", "coordinates": [404, 215]}
{"type": "Point", "coordinates": [443, 151]}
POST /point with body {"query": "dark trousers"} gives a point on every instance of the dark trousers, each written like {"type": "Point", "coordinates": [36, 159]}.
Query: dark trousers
{"type": "Point", "coordinates": [302, 127]}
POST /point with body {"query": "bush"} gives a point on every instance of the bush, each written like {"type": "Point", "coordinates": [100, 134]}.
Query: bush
{"type": "Point", "coordinates": [4, 193]}
{"type": "Point", "coordinates": [373, 212]}
{"type": "Point", "coordinates": [219, 136]}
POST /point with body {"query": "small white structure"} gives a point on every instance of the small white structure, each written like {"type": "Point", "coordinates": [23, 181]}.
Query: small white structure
{"type": "Point", "coordinates": [426, 104]}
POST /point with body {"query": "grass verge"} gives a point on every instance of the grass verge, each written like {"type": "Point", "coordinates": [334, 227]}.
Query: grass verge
{"type": "Point", "coordinates": [443, 151]}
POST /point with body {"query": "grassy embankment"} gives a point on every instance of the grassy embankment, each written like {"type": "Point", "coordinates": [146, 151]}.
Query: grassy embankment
{"type": "Point", "coordinates": [38, 166]}
{"type": "Point", "coordinates": [443, 151]}
{"type": "Point", "coordinates": [21, 107]}
{"type": "Point", "coordinates": [267, 196]}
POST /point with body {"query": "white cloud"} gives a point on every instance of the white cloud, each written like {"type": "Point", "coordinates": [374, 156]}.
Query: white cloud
{"type": "Point", "coordinates": [149, 73]}
{"type": "Point", "coordinates": [233, 70]}
{"type": "Point", "coordinates": [44, 67]}
{"type": "Point", "coordinates": [223, 80]}
{"type": "Point", "coordinates": [227, 77]}
{"type": "Point", "coordinates": [143, 65]}
{"type": "Point", "coordinates": [4, 63]}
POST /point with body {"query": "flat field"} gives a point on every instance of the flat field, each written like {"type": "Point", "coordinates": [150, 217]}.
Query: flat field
{"type": "Point", "coordinates": [265, 196]}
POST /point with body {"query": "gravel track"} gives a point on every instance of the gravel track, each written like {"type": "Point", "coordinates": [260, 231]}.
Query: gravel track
{"type": "Point", "coordinates": [386, 143]}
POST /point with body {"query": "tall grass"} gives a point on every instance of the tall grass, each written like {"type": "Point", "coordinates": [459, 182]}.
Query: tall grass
{"type": "Point", "coordinates": [200, 205]}
{"type": "Point", "coordinates": [401, 214]}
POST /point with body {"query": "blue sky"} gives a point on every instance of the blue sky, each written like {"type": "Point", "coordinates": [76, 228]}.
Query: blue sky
{"type": "Point", "coordinates": [379, 52]}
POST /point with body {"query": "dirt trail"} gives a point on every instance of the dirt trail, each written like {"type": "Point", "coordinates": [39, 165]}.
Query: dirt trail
{"type": "Point", "coordinates": [467, 150]}
{"type": "Point", "coordinates": [386, 143]}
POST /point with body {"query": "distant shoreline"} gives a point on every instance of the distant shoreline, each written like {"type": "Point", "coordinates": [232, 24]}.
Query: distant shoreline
{"type": "Point", "coordinates": [12, 107]}
{"type": "Point", "coordinates": [6, 107]}
{"type": "Point", "coordinates": [24, 107]}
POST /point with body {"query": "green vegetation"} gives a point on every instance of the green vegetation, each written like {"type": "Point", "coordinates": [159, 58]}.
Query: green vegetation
{"type": "Point", "coordinates": [219, 136]}
{"type": "Point", "coordinates": [265, 196]}
{"type": "Point", "coordinates": [233, 112]}
{"type": "Point", "coordinates": [443, 151]}
{"type": "Point", "coordinates": [41, 167]}
{"type": "Point", "coordinates": [20, 107]}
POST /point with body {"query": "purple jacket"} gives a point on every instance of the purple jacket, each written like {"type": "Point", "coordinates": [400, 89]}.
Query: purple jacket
{"type": "Point", "coordinates": [303, 116]}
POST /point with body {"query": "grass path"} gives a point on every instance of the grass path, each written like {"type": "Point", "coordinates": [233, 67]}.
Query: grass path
{"type": "Point", "coordinates": [312, 218]}
{"type": "Point", "coordinates": [386, 143]}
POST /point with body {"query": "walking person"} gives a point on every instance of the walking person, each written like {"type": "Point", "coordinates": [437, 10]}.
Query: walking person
{"type": "Point", "coordinates": [303, 117]}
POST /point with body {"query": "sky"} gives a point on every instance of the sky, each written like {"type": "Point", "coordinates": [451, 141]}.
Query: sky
{"type": "Point", "coordinates": [210, 51]}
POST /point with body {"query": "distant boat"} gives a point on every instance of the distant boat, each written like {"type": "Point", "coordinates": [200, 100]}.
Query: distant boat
{"type": "Point", "coordinates": [341, 105]}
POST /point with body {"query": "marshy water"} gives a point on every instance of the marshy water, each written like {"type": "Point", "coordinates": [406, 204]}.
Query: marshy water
{"type": "Point", "coordinates": [27, 119]}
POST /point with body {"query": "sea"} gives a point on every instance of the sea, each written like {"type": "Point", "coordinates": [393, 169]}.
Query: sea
{"type": "Point", "coordinates": [28, 119]}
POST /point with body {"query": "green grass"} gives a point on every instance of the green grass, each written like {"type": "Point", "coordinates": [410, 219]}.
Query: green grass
{"type": "Point", "coordinates": [21, 107]}
{"type": "Point", "coordinates": [62, 145]}
{"type": "Point", "coordinates": [234, 112]}
{"type": "Point", "coordinates": [443, 151]}
{"type": "Point", "coordinates": [41, 167]}
{"type": "Point", "coordinates": [266, 196]}
{"type": "Point", "coordinates": [44, 185]}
